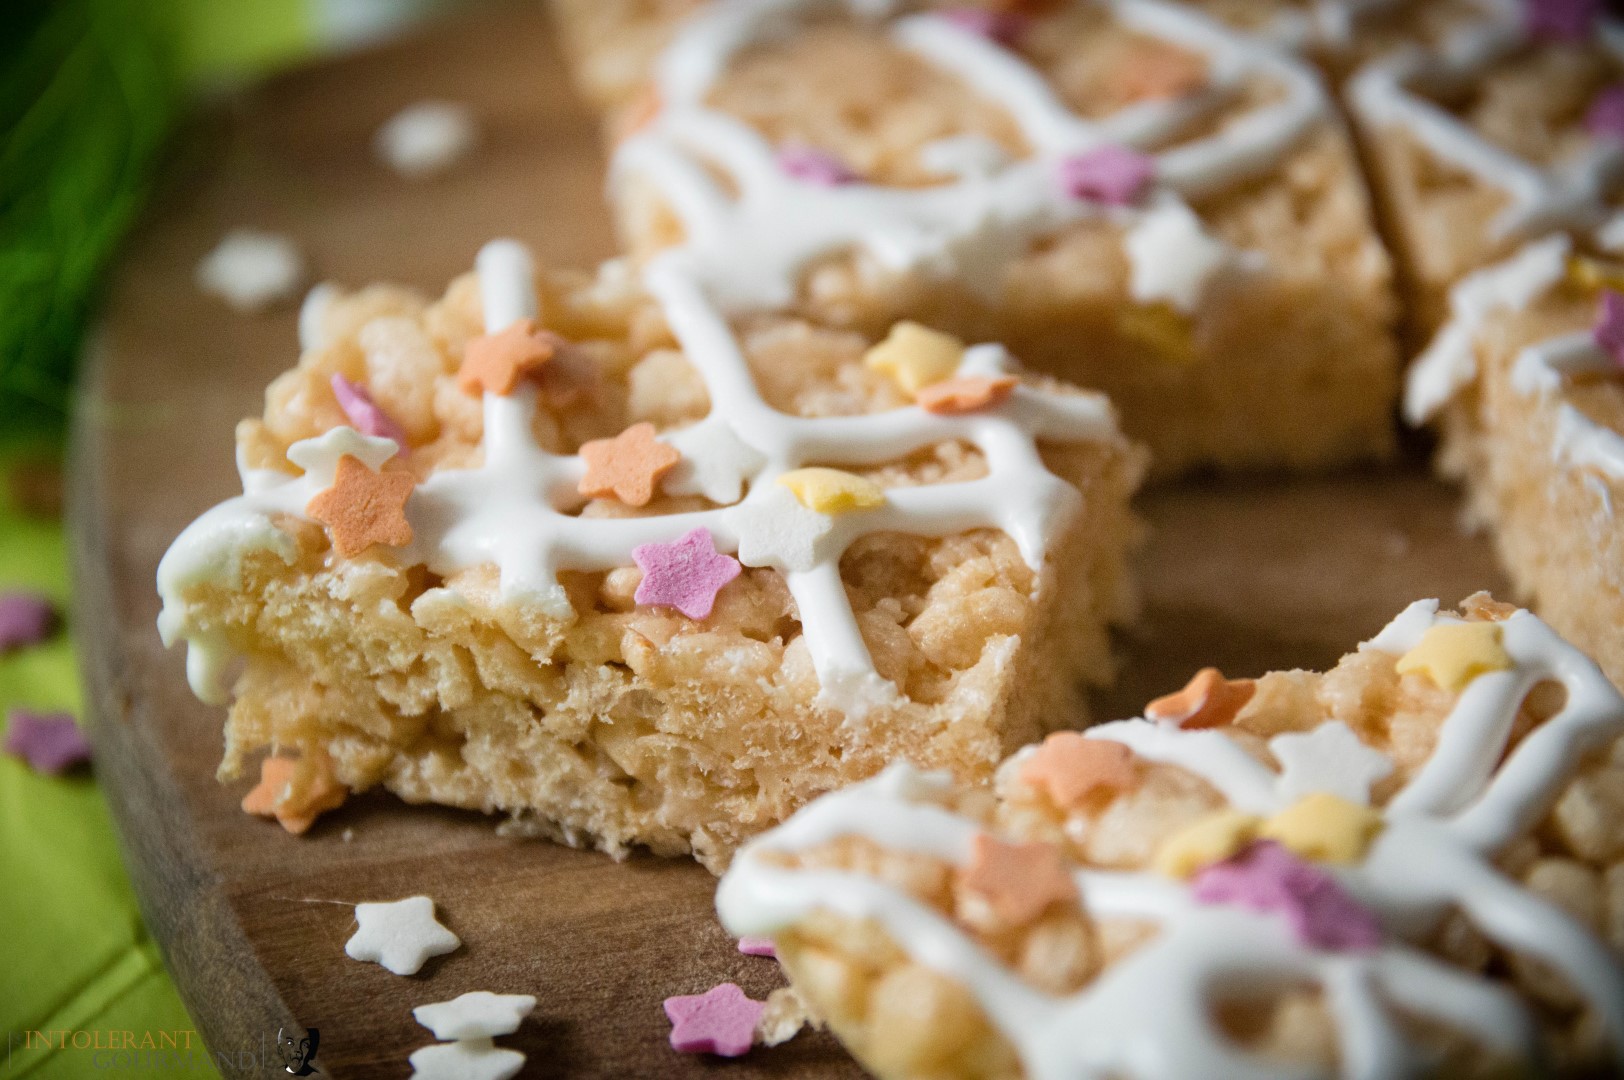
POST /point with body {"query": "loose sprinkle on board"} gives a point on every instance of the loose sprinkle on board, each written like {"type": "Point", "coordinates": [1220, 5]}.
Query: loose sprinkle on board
{"type": "Point", "coordinates": [400, 936]}
{"type": "Point", "coordinates": [26, 619]}
{"type": "Point", "coordinates": [51, 743]}
{"type": "Point", "coordinates": [721, 1021]}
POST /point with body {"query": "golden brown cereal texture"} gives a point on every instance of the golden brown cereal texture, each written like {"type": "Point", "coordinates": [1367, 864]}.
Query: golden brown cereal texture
{"type": "Point", "coordinates": [902, 1019]}
{"type": "Point", "coordinates": [632, 725]}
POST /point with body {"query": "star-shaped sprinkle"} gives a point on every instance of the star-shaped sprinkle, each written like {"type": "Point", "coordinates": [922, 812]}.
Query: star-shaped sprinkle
{"type": "Point", "coordinates": [1329, 759]}
{"type": "Point", "coordinates": [685, 574]}
{"type": "Point", "coordinates": [1017, 881]}
{"type": "Point", "coordinates": [814, 166]}
{"type": "Point", "coordinates": [721, 1021]}
{"type": "Point", "coordinates": [1609, 329]}
{"type": "Point", "coordinates": [966, 394]}
{"type": "Point", "coordinates": [1325, 828]}
{"type": "Point", "coordinates": [467, 1059]}
{"type": "Point", "coordinates": [1114, 175]}
{"type": "Point", "coordinates": [1172, 257]}
{"type": "Point", "coordinates": [1605, 116]}
{"type": "Point", "coordinates": [1453, 654]}
{"type": "Point", "coordinates": [715, 462]}
{"type": "Point", "coordinates": [1072, 768]}
{"type": "Point", "coordinates": [401, 936]}
{"type": "Point", "coordinates": [479, 1014]}
{"type": "Point", "coordinates": [1161, 328]}
{"type": "Point", "coordinates": [1207, 701]}
{"type": "Point", "coordinates": [1266, 877]}
{"type": "Point", "coordinates": [757, 946]}
{"type": "Point", "coordinates": [1004, 27]}
{"type": "Point", "coordinates": [51, 743]}
{"type": "Point", "coordinates": [496, 363]}
{"type": "Point", "coordinates": [364, 413]}
{"type": "Point", "coordinates": [1561, 20]}
{"type": "Point", "coordinates": [1159, 73]}
{"type": "Point", "coordinates": [426, 138]}
{"type": "Point", "coordinates": [26, 618]}
{"type": "Point", "coordinates": [295, 791]}
{"type": "Point", "coordinates": [363, 507]}
{"type": "Point", "coordinates": [252, 270]}
{"type": "Point", "coordinates": [319, 457]}
{"type": "Point", "coordinates": [775, 530]}
{"type": "Point", "coordinates": [640, 115]}
{"type": "Point", "coordinates": [914, 356]}
{"type": "Point", "coordinates": [628, 466]}
{"type": "Point", "coordinates": [833, 491]}
{"type": "Point", "coordinates": [1207, 840]}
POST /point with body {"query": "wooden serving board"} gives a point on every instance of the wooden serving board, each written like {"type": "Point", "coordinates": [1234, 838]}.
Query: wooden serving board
{"type": "Point", "coordinates": [1251, 576]}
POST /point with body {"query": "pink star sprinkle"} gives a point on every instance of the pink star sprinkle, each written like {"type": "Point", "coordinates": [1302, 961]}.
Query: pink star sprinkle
{"type": "Point", "coordinates": [757, 946]}
{"type": "Point", "coordinates": [814, 166]}
{"type": "Point", "coordinates": [51, 743]}
{"type": "Point", "coordinates": [25, 619]}
{"type": "Point", "coordinates": [1561, 20]}
{"type": "Point", "coordinates": [685, 574]}
{"type": "Point", "coordinates": [720, 1021]}
{"type": "Point", "coordinates": [1114, 175]}
{"type": "Point", "coordinates": [1609, 329]}
{"type": "Point", "coordinates": [1003, 27]}
{"type": "Point", "coordinates": [1268, 878]}
{"type": "Point", "coordinates": [365, 414]}
{"type": "Point", "coordinates": [1605, 117]}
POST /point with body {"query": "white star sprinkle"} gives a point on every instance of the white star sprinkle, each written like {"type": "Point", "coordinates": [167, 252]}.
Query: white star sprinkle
{"type": "Point", "coordinates": [426, 138]}
{"type": "Point", "coordinates": [401, 936]}
{"type": "Point", "coordinates": [775, 530]}
{"type": "Point", "coordinates": [479, 1014]}
{"type": "Point", "coordinates": [318, 457]}
{"type": "Point", "coordinates": [470, 1059]}
{"type": "Point", "coordinates": [1328, 759]}
{"type": "Point", "coordinates": [251, 270]}
{"type": "Point", "coordinates": [715, 462]}
{"type": "Point", "coordinates": [1173, 257]}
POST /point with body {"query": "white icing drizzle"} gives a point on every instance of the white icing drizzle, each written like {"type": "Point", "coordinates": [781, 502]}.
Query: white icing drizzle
{"type": "Point", "coordinates": [748, 249]}
{"type": "Point", "coordinates": [1540, 370]}
{"type": "Point", "coordinates": [1148, 1016]}
{"type": "Point", "coordinates": [1569, 196]}
{"type": "Point", "coordinates": [516, 510]}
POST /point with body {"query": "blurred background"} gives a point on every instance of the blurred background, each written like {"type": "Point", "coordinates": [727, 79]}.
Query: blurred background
{"type": "Point", "coordinates": [91, 92]}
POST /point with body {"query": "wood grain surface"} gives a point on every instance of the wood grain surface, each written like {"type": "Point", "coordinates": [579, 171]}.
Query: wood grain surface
{"type": "Point", "coordinates": [1252, 576]}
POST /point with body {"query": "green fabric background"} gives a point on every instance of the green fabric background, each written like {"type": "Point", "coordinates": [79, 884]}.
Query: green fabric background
{"type": "Point", "coordinates": [76, 957]}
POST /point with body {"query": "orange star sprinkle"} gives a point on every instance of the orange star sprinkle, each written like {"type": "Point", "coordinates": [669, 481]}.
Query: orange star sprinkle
{"type": "Point", "coordinates": [1207, 701]}
{"type": "Point", "coordinates": [295, 791]}
{"type": "Point", "coordinates": [639, 114]}
{"type": "Point", "coordinates": [1071, 768]}
{"type": "Point", "coordinates": [965, 394]}
{"type": "Point", "coordinates": [497, 362]}
{"type": "Point", "coordinates": [1018, 881]}
{"type": "Point", "coordinates": [363, 507]}
{"type": "Point", "coordinates": [628, 466]}
{"type": "Point", "coordinates": [1159, 74]}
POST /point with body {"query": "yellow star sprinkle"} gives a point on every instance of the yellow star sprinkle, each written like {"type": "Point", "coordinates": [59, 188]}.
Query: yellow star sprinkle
{"type": "Point", "coordinates": [833, 491]}
{"type": "Point", "coordinates": [1453, 654]}
{"type": "Point", "coordinates": [1205, 841]}
{"type": "Point", "coordinates": [1593, 275]}
{"type": "Point", "coordinates": [915, 356]}
{"type": "Point", "coordinates": [1159, 327]}
{"type": "Point", "coordinates": [1324, 828]}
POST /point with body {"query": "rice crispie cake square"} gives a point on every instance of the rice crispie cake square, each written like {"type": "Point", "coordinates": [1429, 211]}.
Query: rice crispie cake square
{"type": "Point", "coordinates": [1526, 386]}
{"type": "Point", "coordinates": [1132, 196]}
{"type": "Point", "coordinates": [638, 574]}
{"type": "Point", "coordinates": [1411, 864]}
{"type": "Point", "coordinates": [1507, 127]}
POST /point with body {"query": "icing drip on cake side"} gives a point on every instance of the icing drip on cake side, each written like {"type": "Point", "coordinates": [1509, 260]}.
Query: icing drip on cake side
{"type": "Point", "coordinates": [1148, 1016]}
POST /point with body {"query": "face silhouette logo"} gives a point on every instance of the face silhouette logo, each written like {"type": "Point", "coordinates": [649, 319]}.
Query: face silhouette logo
{"type": "Point", "coordinates": [299, 1055]}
